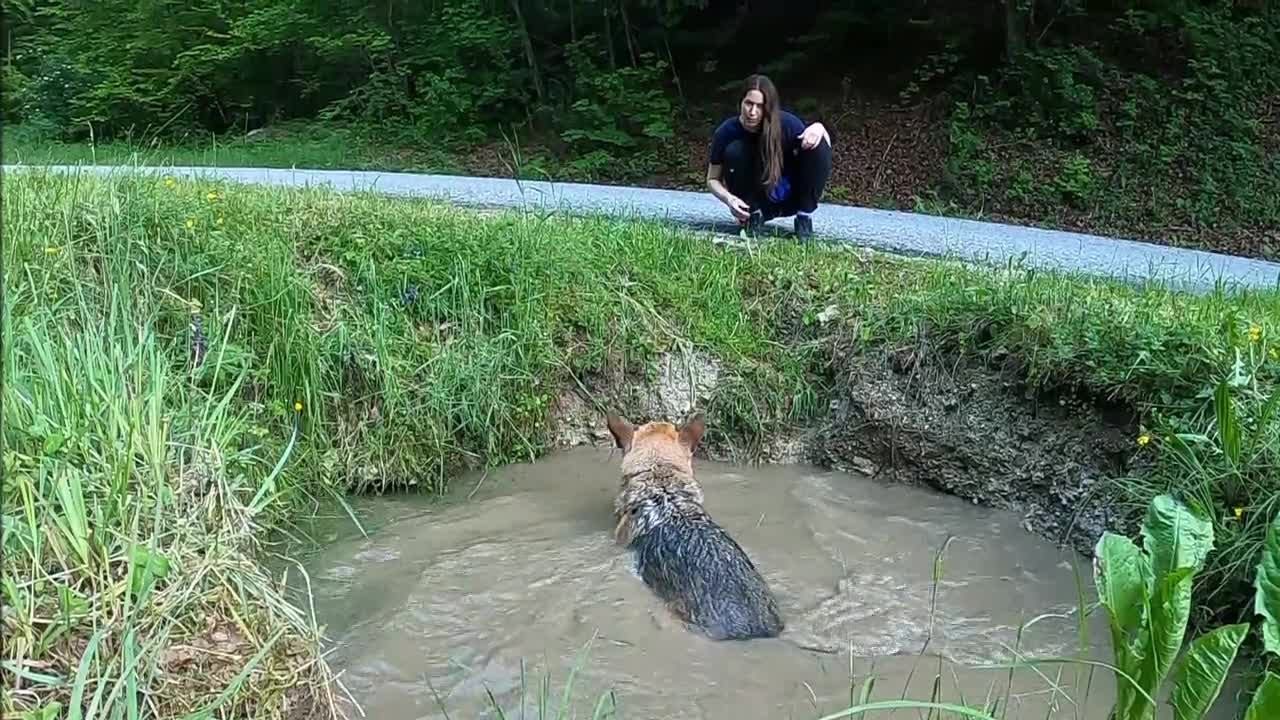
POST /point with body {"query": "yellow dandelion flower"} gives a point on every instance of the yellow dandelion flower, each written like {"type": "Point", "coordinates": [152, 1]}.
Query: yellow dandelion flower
{"type": "Point", "coordinates": [168, 182]}
{"type": "Point", "coordinates": [212, 196]}
{"type": "Point", "coordinates": [190, 223]}
{"type": "Point", "coordinates": [1238, 512]}
{"type": "Point", "coordinates": [1255, 333]}
{"type": "Point", "coordinates": [52, 250]}
{"type": "Point", "coordinates": [297, 406]}
{"type": "Point", "coordinates": [1143, 440]}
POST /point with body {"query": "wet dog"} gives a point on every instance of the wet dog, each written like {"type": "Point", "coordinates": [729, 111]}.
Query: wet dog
{"type": "Point", "coordinates": [690, 562]}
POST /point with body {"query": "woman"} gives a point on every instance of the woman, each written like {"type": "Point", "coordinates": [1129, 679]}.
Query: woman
{"type": "Point", "coordinates": [765, 163]}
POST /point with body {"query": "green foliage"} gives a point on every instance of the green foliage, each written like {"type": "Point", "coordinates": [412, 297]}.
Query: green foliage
{"type": "Point", "coordinates": [1219, 451]}
{"type": "Point", "coordinates": [124, 503]}
{"type": "Point", "coordinates": [1177, 139]}
{"type": "Point", "coordinates": [1075, 182]}
{"type": "Point", "coordinates": [440, 73]}
{"type": "Point", "coordinates": [418, 338]}
{"type": "Point", "coordinates": [150, 68]}
{"type": "Point", "coordinates": [1266, 698]}
{"type": "Point", "coordinates": [1267, 587]}
{"type": "Point", "coordinates": [615, 108]}
{"type": "Point", "coordinates": [1147, 596]}
{"type": "Point", "coordinates": [1053, 93]}
{"type": "Point", "coordinates": [1148, 600]}
{"type": "Point", "coordinates": [14, 87]}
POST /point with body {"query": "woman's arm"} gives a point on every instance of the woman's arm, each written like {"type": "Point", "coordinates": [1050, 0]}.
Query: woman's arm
{"type": "Point", "coordinates": [718, 189]}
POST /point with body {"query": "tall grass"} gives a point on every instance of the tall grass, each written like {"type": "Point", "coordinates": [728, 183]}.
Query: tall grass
{"type": "Point", "coordinates": [131, 584]}
{"type": "Point", "coordinates": [186, 361]}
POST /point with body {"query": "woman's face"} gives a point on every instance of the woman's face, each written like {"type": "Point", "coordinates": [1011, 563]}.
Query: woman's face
{"type": "Point", "coordinates": [752, 110]}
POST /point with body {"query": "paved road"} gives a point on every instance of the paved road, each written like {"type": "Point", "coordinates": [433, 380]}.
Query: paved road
{"type": "Point", "coordinates": [896, 232]}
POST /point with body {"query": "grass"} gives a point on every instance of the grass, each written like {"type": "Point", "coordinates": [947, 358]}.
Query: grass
{"type": "Point", "coordinates": [131, 584]}
{"type": "Point", "coordinates": [301, 144]}
{"type": "Point", "coordinates": [187, 363]}
{"type": "Point", "coordinates": [316, 145]}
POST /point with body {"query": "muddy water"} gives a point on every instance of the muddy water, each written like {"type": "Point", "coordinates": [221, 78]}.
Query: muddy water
{"type": "Point", "coordinates": [452, 597]}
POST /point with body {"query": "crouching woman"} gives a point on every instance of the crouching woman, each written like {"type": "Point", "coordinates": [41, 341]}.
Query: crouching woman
{"type": "Point", "coordinates": [765, 163]}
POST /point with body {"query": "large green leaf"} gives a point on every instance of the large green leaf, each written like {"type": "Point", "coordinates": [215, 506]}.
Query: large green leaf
{"type": "Point", "coordinates": [1174, 537]}
{"type": "Point", "coordinates": [1266, 702]}
{"type": "Point", "coordinates": [1122, 575]}
{"type": "Point", "coordinates": [1176, 542]}
{"type": "Point", "coordinates": [1200, 673]}
{"type": "Point", "coordinates": [1267, 582]}
{"type": "Point", "coordinates": [1164, 623]}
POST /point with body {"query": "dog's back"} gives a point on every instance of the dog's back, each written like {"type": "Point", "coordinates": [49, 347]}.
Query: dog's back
{"type": "Point", "coordinates": [706, 578]}
{"type": "Point", "coordinates": [681, 553]}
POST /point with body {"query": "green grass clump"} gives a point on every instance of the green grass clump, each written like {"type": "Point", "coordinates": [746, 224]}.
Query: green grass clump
{"type": "Point", "coordinates": [307, 145]}
{"type": "Point", "coordinates": [186, 362]}
{"type": "Point", "coordinates": [130, 578]}
{"type": "Point", "coordinates": [417, 337]}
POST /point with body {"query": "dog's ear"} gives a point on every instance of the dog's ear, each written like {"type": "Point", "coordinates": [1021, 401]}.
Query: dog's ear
{"type": "Point", "coordinates": [691, 433]}
{"type": "Point", "coordinates": [621, 430]}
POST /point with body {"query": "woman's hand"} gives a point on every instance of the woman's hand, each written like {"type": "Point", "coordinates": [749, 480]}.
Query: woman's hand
{"type": "Point", "coordinates": [813, 135]}
{"type": "Point", "coordinates": [740, 210]}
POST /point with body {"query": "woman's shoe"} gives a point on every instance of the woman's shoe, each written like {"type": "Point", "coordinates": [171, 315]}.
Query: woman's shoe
{"type": "Point", "coordinates": [804, 226]}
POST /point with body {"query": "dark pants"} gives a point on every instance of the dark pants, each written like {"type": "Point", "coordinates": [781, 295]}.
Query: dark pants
{"type": "Point", "coordinates": [809, 172]}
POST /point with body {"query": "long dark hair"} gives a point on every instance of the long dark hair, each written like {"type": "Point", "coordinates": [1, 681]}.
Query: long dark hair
{"type": "Point", "coordinates": [770, 129]}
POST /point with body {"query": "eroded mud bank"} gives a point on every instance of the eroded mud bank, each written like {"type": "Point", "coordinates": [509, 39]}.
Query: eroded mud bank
{"type": "Point", "coordinates": [962, 428]}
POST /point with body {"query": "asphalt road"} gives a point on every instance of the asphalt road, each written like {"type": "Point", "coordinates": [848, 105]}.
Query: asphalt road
{"type": "Point", "coordinates": [889, 231]}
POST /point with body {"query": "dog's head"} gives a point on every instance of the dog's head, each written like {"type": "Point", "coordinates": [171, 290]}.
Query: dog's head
{"type": "Point", "coordinates": [657, 441]}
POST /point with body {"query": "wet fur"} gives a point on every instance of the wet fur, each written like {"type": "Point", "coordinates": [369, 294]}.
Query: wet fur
{"type": "Point", "coordinates": [690, 562]}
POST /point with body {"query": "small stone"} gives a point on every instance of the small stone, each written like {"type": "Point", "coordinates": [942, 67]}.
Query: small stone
{"type": "Point", "coordinates": [863, 465]}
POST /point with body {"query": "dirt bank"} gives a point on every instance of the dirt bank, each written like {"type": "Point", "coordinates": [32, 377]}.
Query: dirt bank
{"type": "Point", "coordinates": [909, 416]}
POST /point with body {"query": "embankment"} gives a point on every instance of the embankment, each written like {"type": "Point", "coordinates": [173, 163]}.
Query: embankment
{"type": "Point", "coordinates": [273, 345]}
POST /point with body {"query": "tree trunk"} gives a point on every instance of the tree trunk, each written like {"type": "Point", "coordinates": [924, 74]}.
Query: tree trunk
{"type": "Point", "coordinates": [1015, 29]}
{"type": "Point", "coordinates": [529, 55]}
{"type": "Point", "coordinates": [626, 30]}
{"type": "Point", "coordinates": [608, 38]}
{"type": "Point", "coordinates": [684, 105]}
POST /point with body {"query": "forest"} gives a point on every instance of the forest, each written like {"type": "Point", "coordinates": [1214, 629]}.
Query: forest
{"type": "Point", "coordinates": [1155, 120]}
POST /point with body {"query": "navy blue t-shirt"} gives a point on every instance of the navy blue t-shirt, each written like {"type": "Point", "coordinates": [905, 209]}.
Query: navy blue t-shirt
{"type": "Point", "coordinates": [732, 129]}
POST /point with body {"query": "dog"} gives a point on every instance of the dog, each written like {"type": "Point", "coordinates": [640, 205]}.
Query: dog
{"type": "Point", "coordinates": [701, 573]}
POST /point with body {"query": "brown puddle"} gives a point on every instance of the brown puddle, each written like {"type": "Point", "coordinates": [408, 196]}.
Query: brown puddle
{"type": "Point", "coordinates": [454, 596]}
